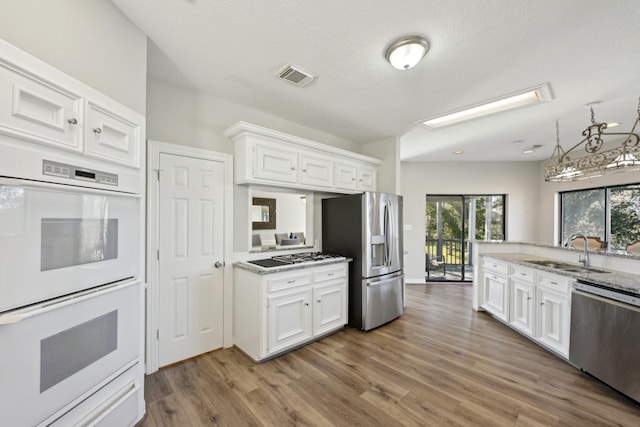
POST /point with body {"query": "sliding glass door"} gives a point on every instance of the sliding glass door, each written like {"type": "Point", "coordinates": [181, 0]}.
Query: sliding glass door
{"type": "Point", "coordinates": [453, 222]}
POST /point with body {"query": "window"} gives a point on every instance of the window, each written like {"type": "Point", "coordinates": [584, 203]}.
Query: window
{"type": "Point", "coordinates": [610, 213]}
{"type": "Point", "coordinates": [452, 223]}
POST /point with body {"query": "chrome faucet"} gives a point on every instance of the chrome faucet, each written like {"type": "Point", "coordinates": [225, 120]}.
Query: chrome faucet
{"type": "Point", "coordinates": [584, 258]}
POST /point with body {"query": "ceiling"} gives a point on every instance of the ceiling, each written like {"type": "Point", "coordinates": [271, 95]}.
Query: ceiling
{"type": "Point", "coordinates": [586, 49]}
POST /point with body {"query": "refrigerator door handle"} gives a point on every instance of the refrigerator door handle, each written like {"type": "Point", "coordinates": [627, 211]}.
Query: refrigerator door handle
{"type": "Point", "coordinates": [387, 239]}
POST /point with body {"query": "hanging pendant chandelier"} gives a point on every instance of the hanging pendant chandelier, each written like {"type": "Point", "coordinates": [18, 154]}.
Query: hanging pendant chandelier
{"type": "Point", "coordinates": [561, 167]}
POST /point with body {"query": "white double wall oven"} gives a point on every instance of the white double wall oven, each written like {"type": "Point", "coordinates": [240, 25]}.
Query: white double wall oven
{"type": "Point", "coordinates": [71, 233]}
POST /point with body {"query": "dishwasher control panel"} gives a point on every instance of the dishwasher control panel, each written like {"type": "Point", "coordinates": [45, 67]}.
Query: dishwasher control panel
{"type": "Point", "coordinates": [615, 295]}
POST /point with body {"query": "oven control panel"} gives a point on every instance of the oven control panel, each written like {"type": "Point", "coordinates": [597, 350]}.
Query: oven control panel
{"type": "Point", "coordinates": [75, 172]}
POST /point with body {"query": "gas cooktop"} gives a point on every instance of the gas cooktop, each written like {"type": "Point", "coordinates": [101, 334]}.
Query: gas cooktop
{"type": "Point", "coordinates": [280, 260]}
{"type": "Point", "coordinates": [305, 257]}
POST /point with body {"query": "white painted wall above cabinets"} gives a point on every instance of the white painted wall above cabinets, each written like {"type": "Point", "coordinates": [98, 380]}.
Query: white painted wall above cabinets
{"type": "Point", "coordinates": [266, 156]}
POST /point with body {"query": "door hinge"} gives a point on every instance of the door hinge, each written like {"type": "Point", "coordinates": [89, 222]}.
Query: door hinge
{"type": "Point", "coordinates": [158, 254]}
{"type": "Point", "coordinates": [158, 173]}
{"type": "Point", "coordinates": [158, 334]}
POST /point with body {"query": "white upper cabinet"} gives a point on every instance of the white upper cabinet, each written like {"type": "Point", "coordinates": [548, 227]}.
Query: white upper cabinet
{"type": "Point", "coordinates": [355, 177]}
{"type": "Point", "coordinates": [43, 105]}
{"type": "Point", "coordinates": [111, 136]}
{"type": "Point", "coordinates": [346, 175]}
{"type": "Point", "coordinates": [265, 156]}
{"type": "Point", "coordinates": [35, 109]}
{"type": "Point", "coordinates": [275, 163]}
{"type": "Point", "coordinates": [315, 170]}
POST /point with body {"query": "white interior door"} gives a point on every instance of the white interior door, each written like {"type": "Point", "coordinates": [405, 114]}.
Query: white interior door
{"type": "Point", "coordinates": [191, 254]}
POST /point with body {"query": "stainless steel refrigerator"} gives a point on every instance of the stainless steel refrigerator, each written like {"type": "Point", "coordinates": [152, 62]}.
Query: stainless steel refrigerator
{"type": "Point", "coordinates": [368, 228]}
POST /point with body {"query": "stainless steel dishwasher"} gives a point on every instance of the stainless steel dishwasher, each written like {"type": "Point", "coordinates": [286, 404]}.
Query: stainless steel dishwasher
{"type": "Point", "coordinates": [605, 336]}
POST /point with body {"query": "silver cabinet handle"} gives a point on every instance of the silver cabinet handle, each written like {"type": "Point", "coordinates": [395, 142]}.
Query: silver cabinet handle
{"type": "Point", "coordinates": [218, 264]}
{"type": "Point", "coordinates": [97, 130]}
{"type": "Point", "coordinates": [72, 121]}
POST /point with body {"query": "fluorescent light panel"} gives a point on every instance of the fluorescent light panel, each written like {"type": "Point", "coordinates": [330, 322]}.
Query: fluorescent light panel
{"type": "Point", "coordinates": [530, 96]}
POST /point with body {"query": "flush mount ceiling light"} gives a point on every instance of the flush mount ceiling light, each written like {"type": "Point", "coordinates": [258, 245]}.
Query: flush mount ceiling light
{"type": "Point", "coordinates": [534, 95]}
{"type": "Point", "coordinates": [560, 167]}
{"type": "Point", "coordinates": [406, 52]}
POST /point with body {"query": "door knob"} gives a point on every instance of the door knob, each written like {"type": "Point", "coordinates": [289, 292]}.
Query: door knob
{"type": "Point", "coordinates": [218, 264]}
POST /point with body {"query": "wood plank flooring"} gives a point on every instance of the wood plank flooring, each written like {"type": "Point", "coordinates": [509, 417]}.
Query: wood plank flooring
{"type": "Point", "coordinates": [439, 364]}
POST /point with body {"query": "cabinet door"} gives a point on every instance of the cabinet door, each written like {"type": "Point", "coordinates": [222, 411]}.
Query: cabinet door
{"type": "Point", "coordinates": [366, 179]}
{"type": "Point", "coordinates": [111, 136]}
{"type": "Point", "coordinates": [553, 319]}
{"type": "Point", "coordinates": [39, 111]}
{"type": "Point", "coordinates": [289, 320]}
{"type": "Point", "coordinates": [330, 307]}
{"type": "Point", "coordinates": [276, 164]}
{"type": "Point", "coordinates": [316, 171]}
{"type": "Point", "coordinates": [496, 295]}
{"type": "Point", "coordinates": [522, 306]}
{"type": "Point", "coordinates": [346, 175]}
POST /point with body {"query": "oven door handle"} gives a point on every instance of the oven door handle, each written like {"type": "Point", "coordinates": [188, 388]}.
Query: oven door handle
{"type": "Point", "coordinates": [12, 182]}
{"type": "Point", "coordinates": [38, 309]}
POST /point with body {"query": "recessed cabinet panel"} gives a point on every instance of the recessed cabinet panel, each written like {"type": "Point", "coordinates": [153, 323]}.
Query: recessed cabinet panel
{"type": "Point", "coordinates": [39, 111]}
{"type": "Point", "coordinates": [522, 306]}
{"type": "Point", "coordinates": [330, 307]}
{"type": "Point", "coordinates": [277, 164]}
{"type": "Point", "coordinates": [366, 179]}
{"type": "Point", "coordinates": [346, 176]}
{"type": "Point", "coordinates": [496, 294]}
{"type": "Point", "coordinates": [316, 171]}
{"type": "Point", "coordinates": [553, 320]}
{"type": "Point", "coordinates": [112, 137]}
{"type": "Point", "coordinates": [289, 319]}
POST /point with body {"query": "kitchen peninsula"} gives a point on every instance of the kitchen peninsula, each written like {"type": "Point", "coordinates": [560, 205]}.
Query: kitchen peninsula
{"type": "Point", "coordinates": [588, 314]}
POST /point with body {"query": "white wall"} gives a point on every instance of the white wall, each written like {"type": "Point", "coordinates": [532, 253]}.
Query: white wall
{"type": "Point", "coordinates": [387, 150]}
{"type": "Point", "coordinates": [518, 180]}
{"type": "Point", "coordinates": [183, 116]}
{"type": "Point", "coordinates": [91, 41]}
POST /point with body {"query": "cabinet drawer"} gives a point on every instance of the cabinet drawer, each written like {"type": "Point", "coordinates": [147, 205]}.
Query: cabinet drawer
{"type": "Point", "coordinates": [496, 266]}
{"type": "Point", "coordinates": [330, 272]}
{"type": "Point", "coordinates": [522, 273]}
{"type": "Point", "coordinates": [288, 280]}
{"type": "Point", "coordinates": [555, 282]}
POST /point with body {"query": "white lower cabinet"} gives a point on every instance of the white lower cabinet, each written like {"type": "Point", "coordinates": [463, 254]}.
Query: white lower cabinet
{"type": "Point", "coordinates": [538, 302]}
{"type": "Point", "coordinates": [553, 313]}
{"type": "Point", "coordinates": [289, 319]}
{"type": "Point", "coordinates": [496, 289]}
{"type": "Point", "coordinates": [522, 306]}
{"type": "Point", "coordinates": [275, 312]}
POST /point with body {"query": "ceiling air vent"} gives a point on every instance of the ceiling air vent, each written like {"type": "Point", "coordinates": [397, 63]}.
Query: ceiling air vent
{"type": "Point", "coordinates": [295, 75]}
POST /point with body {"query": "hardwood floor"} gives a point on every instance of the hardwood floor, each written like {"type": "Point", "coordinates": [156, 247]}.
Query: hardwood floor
{"type": "Point", "coordinates": [439, 364]}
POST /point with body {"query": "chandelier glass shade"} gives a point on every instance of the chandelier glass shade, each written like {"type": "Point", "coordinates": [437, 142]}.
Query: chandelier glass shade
{"type": "Point", "coordinates": [561, 167]}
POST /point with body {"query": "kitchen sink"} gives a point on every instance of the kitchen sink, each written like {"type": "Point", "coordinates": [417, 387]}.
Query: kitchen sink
{"type": "Point", "coordinates": [572, 268]}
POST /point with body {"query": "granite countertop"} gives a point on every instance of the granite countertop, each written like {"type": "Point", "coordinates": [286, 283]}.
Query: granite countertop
{"type": "Point", "coordinates": [612, 279]}
{"type": "Point", "coordinates": [245, 265]}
